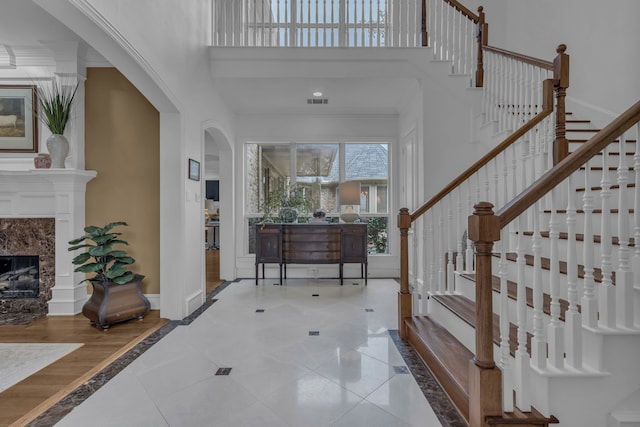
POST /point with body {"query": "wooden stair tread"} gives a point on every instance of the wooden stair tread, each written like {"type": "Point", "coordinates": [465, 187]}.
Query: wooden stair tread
{"type": "Point", "coordinates": [512, 293]}
{"type": "Point", "coordinates": [517, 417]}
{"type": "Point", "coordinates": [595, 211]}
{"type": "Point", "coordinates": [465, 309]}
{"type": "Point", "coordinates": [580, 237]}
{"type": "Point", "coordinates": [447, 358]}
{"type": "Point", "coordinates": [613, 187]}
{"type": "Point", "coordinates": [546, 262]}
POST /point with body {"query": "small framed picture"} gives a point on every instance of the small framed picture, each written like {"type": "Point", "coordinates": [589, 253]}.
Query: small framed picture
{"type": "Point", "coordinates": [194, 170]}
{"type": "Point", "coordinates": [18, 124]}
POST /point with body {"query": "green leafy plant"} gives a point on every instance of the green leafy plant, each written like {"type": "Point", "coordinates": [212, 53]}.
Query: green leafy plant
{"type": "Point", "coordinates": [54, 106]}
{"type": "Point", "coordinates": [283, 197]}
{"type": "Point", "coordinates": [101, 258]}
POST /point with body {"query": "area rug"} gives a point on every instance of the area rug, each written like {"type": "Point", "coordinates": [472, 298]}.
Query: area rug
{"type": "Point", "coordinates": [18, 361]}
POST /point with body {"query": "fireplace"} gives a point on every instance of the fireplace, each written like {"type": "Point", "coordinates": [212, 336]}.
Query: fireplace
{"type": "Point", "coordinates": [41, 210]}
{"type": "Point", "coordinates": [19, 276]}
{"type": "Point", "coordinates": [27, 268]}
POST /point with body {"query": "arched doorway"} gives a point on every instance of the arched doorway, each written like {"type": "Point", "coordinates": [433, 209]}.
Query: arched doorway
{"type": "Point", "coordinates": [218, 167]}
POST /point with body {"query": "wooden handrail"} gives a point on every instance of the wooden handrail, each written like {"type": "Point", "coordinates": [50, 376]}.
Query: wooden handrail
{"type": "Point", "coordinates": [524, 58]}
{"type": "Point", "coordinates": [546, 111]}
{"type": "Point", "coordinates": [570, 164]}
{"type": "Point", "coordinates": [466, 12]}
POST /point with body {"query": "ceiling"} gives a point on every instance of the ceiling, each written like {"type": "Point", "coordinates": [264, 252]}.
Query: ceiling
{"type": "Point", "coordinates": [25, 29]}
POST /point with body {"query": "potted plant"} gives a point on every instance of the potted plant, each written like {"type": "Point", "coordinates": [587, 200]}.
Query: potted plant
{"type": "Point", "coordinates": [54, 111]}
{"type": "Point", "coordinates": [117, 295]}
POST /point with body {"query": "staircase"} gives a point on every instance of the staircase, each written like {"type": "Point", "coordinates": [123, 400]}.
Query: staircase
{"type": "Point", "coordinates": [576, 333]}
{"type": "Point", "coordinates": [527, 309]}
{"type": "Point", "coordinates": [578, 354]}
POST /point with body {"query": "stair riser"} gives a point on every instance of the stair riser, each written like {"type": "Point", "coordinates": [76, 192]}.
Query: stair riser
{"type": "Point", "coordinates": [595, 178]}
{"type": "Point", "coordinates": [512, 274]}
{"type": "Point", "coordinates": [545, 247]}
{"type": "Point", "coordinates": [457, 327]}
{"type": "Point", "coordinates": [467, 288]}
{"type": "Point", "coordinates": [596, 220]}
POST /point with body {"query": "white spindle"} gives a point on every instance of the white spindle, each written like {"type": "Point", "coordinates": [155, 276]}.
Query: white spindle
{"type": "Point", "coordinates": [538, 344]}
{"type": "Point", "coordinates": [589, 301]}
{"type": "Point", "coordinates": [505, 350]}
{"type": "Point", "coordinates": [636, 211]}
{"type": "Point", "coordinates": [468, 263]}
{"type": "Point", "coordinates": [624, 276]}
{"type": "Point", "coordinates": [555, 328]}
{"type": "Point", "coordinates": [607, 315]}
{"type": "Point", "coordinates": [442, 281]}
{"type": "Point", "coordinates": [522, 359]}
{"type": "Point", "coordinates": [460, 227]}
{"type": "Point", "coordinates": [433, 258]}
{"type": "Point", "coordinates": [572, 315]}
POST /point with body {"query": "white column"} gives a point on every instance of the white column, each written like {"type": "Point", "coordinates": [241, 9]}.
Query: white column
{"type": "Point", "coordinates": [68, 295]}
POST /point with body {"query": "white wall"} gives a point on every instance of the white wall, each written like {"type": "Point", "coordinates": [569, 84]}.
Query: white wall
{"type": "Point", "coordinates": [162, 48]}
{"type": "Point", "coordinates": [602, 39]}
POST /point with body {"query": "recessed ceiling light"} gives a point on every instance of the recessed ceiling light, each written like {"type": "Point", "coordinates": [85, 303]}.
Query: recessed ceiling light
{"type": "Point", "coordinates": [317, 93]}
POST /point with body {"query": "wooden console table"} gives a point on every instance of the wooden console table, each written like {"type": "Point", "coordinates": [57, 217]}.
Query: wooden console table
{"type": "Point", "coordinates": [284, 244]}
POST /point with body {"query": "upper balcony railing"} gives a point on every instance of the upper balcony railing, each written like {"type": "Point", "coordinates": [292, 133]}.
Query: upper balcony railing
{"type": "Point", "coordinates": [317, 23]}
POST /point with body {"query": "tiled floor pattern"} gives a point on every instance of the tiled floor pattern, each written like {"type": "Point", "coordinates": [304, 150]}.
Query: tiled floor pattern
{"type": "Point", "coordinates": [277, 372]}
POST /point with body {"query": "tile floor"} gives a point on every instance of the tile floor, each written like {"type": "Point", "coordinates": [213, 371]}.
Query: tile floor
{"type": "Point", "coordinates": [294, 360]}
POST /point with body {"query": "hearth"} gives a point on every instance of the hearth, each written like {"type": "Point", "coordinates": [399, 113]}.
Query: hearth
{"type": "Point", "coordinates": [19, 277]}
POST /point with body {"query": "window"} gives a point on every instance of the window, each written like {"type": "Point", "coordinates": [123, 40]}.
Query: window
{"type": "Point", "coordinates": [272, 184]}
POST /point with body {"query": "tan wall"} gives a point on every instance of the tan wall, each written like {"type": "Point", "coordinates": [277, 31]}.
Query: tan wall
{"type": "Point", "coordinates": [122, 143]}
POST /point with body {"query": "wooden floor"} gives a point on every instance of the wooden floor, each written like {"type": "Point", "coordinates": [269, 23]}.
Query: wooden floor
{"type": "Point", "coordinates": [27, 399]}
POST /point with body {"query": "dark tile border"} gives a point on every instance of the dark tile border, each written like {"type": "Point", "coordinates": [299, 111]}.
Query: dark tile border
{"type": "Point", "coordinates": [447, 414]}
{"type": "Point", "coordinates": [60, 409]}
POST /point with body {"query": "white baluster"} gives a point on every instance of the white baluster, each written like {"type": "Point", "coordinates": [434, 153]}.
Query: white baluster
{"type": "Point", "coordinates": [522, 359]}
{"type": "Point", "coordinates": [433, 256]}
{"type": "Point", "coordinates": [468, 264]}
{"type": "Point", "coordinates": [442, 280]}
{"type": "Point", "coordinates": [636, 212]}
{"type": "Point", "coordinates": [460, 226]}
{"type": "Point", "coordinates": [426, 253]}
{"type": "Point", "coordinates": [538, 344]}
{"type": "Point", "coordinates": [589, 300]}
{"type": "Point", "coordinates": [505, 350]}
{"type": "Point", "coordinates": [555, 328]}
{"type": "Point", "coordinates": [607, 316]}
{"type": "Point", "coordinates": [624, 276]}
{"type": "Point", "coordinates": [572, 316]}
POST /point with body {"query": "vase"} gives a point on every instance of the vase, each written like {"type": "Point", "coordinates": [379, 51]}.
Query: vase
{"type": "Point", "coordinates": [288, 214]}
{"type": "Point", "coordinates": [42, 161]}
{"type": "Point", "coordinates": [58, 147]}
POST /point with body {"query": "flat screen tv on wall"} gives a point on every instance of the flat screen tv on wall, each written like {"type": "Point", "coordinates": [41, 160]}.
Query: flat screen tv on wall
{"type": "Point", "coordinates": [213, 190]}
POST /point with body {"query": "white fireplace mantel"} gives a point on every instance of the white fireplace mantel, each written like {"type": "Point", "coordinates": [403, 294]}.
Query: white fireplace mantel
{"type": "Point", "coordinates": [59, 194]}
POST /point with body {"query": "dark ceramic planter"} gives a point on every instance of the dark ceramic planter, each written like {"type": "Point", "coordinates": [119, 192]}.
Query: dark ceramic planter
{"type": "Point", "coordinates": [111, 303]}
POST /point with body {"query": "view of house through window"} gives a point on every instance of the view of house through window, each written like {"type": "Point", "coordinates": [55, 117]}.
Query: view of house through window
{"type": "Point", "coordinates": [307, 177]}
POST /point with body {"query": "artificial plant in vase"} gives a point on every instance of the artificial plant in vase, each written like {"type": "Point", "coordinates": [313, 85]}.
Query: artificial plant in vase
{"type": "Point", "coordinates": [117, 295]}
{"type": "Point", "coordinates": [54, 110]}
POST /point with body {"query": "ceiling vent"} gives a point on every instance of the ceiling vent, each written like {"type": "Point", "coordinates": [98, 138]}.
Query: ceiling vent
{"type": "Point", "coordinates": [318, 101]}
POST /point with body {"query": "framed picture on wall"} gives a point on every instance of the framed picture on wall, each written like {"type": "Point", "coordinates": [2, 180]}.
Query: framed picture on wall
{"type": "Point", "coordinates": [194, 170]}
{"type": "Point", "coordinates": [18, 124]}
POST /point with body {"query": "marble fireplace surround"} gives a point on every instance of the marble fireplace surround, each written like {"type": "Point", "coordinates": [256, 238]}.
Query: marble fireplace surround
{"type": "Point", "coordinates": [57, 194]}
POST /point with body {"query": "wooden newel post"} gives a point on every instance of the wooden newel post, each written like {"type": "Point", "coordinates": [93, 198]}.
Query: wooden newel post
{"type": "Point", "coordinates": [483, 39]}
{"type": "Point", "coordinates": [404, 296]}
{"type": "Point", "coordinates": [561, 83]}
{"type": "Point", "coordinates": [485, 379]}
